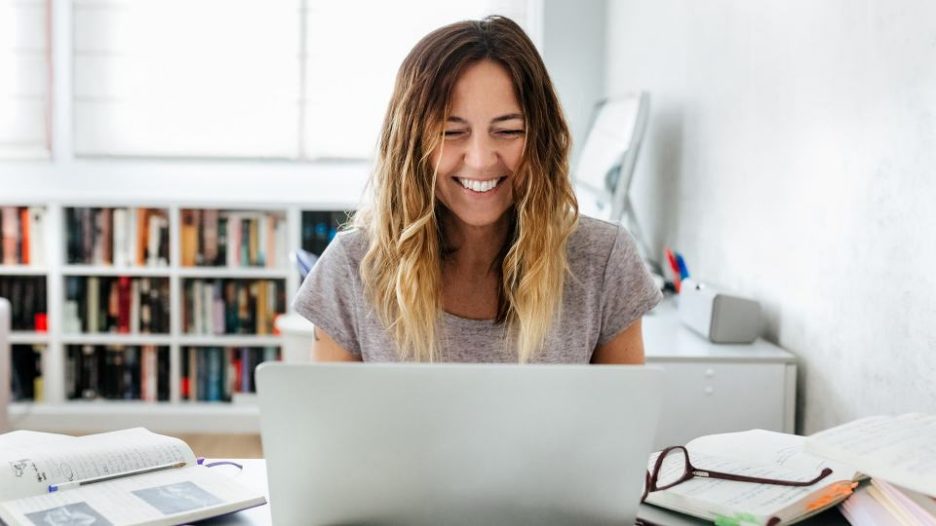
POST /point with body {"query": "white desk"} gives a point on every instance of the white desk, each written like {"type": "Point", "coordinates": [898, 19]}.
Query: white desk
{"type": "Point", "coordinates": [717, 388]}
{"type": "Point", "coordinates": [254, 475]}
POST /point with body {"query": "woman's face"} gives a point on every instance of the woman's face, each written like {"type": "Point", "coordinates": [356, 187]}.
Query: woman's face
{"type": "Point", "coordinates": [482, 146]}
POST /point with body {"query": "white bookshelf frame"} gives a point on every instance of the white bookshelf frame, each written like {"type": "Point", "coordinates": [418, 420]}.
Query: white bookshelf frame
{"type": "Point", "coordinates": [55, 413]}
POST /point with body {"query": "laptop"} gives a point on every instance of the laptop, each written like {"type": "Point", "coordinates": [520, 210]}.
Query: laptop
{"type": "Point", "coordinates": [456, 443]}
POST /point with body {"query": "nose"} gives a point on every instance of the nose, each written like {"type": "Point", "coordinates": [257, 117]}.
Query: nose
{"type": "Point", "coordinates": [481, 153]}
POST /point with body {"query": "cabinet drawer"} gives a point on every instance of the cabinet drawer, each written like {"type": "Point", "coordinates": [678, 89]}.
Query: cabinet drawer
{"type": "Point", "coordinates": [705, 398]}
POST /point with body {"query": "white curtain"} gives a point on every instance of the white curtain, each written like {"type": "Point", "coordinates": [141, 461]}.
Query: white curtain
{"type": "Point", "coordinates": [24, 79]}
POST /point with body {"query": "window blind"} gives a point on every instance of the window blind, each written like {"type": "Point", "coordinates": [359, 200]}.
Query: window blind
{"type": "Point", "coordinates": [353, 51]}
{"type": "Point", "coordinates": [190, 78]}
{"type": "Point", "coordinates": [293, 79]}
{"type": "Point", "coordinates": [24, 79]}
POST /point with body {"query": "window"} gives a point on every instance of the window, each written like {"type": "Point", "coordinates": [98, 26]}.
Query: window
{"type": "Point", "coordinates": [191, 78]}
{"type": "Point", "coordinates": [353, 58]}
{"type": "Point", "coordinates": [24, 79]}
{"type": "Point", "coordinates": [291, 79]}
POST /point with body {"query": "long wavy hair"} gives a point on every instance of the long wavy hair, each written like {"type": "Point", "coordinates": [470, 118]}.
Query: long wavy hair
{"type": "Point", "coordinates": [402, 269]}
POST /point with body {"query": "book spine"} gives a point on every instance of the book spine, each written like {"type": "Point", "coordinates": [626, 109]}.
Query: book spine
{"type": "Point", "coordinates": [123, 307]}
{"type": "Point", "coordinates": [129, 247]}
{"type": "Point", "coordinates": [37, 232]}
{"type": "Point", "coordinates": [153, 237]}
{"type": "Point", "coordinates": [211, 236]}
{"type": "Point", "coordinates": [10, 235]}
{"type": "Point", "coordinates": [245, 259]}
{"type": "Point", "coordinates": [185, 392]}
{"type": "Point", "coordinates": [162, 374]}
{"type": "Point", "coordinates": [118, 249]}
{"type": "Point", "coordinates": [93, 309]}
{"type": "Point", "coordinates": [188, 238]}
{"type": "Point", "coordinates": [25, 236]}
{"type": "Point", "coordinates": [139, 243]}
{"type": "Point", "coordinates": [194, 374]}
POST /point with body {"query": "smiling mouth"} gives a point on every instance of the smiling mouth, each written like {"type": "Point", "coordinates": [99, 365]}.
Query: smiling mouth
{"type": "Point", "coordinates": [480, 186]}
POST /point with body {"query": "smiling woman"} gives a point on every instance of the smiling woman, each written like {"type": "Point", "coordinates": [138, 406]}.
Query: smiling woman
{"type": "Point", "coordinates": [471, 247]}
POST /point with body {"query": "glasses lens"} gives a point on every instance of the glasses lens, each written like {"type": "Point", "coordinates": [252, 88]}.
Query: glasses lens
{"type": "Point", "coordinates": [673, 468]}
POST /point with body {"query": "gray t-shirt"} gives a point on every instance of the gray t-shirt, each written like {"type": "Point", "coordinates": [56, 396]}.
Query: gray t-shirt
{"type": "Point", "coordinates": [609, 289]}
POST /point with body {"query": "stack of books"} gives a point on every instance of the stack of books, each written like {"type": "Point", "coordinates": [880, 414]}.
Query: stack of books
{"type": "Point", "coordinates": [27, 294]}
{"type": "Point", "coordinates": [231, 306]}
{"type": "Point", "coordinates": [883, 471]}
{"type": "Point", "coordinates": [117, 372]}
{"type": "Point", "coordinates": [898, 453]}
{"type": "Point", "coordinates": [216, 374]}
{"type": "Point", "coordinates": [22, 236]}
{"type": "Point", "coordinates": [116, 304]}
{"type": "Point", "coordinates": [762, 454]}
{"type": "Point", "coordinates": [880, 502]}
{"type": "Point", "coordinates": [120, 237]}
{"type": "Point", "coordinates": [224, 238]}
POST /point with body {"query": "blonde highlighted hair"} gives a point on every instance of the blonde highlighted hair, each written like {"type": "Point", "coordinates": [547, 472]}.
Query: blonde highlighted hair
{"type": "Point", "coordinates": [402, 269]}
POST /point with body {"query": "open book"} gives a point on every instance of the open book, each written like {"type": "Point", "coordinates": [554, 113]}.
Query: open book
{"type": "Point", "coordinates": [148, 479]}
{"type": "Point", "coordinates": [898, 449]}
{"type": "Point", "coordinates": [762, 454]}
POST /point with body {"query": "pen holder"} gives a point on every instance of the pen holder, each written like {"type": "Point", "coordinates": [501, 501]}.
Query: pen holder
{"type": "Point", "coordinates": [718, 317]}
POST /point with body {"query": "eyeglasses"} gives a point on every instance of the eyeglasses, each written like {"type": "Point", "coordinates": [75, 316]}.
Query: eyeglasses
{"type": "Point", "coordinates": [672, 467]}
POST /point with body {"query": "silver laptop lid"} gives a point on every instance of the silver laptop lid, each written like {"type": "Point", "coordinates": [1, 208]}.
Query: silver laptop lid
{"type": "Point", "coordinates": [456, 444]}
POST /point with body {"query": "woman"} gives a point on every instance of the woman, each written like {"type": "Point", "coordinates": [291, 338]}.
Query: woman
{"type": "Point", "coordinates": [471, 248]}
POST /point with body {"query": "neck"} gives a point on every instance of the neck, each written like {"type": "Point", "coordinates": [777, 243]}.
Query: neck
{"type": "Point", "coordinates": [474, 248]}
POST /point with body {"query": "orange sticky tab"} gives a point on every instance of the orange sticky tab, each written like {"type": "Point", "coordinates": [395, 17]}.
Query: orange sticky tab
{"type": "Point", "coordinates": [830, 495]}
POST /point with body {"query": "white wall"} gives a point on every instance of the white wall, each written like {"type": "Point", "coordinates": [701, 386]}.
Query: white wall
{"type": "Point", "coordinates": [791, 157]}
{"type": "Point", "coordinates": [574, 52]}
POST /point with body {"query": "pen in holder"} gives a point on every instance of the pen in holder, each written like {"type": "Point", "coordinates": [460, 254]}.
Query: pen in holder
{"type": "Point", "coordinates": [718, 317]}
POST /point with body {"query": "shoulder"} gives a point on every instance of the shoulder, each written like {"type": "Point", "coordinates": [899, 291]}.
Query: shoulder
{"type": "Point", "coordinates": [593, 239]}
{"type": "Point", "coordinates": [349, 246]}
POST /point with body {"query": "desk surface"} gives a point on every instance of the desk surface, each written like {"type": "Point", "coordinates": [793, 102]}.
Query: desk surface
{"type": "Point", "coordinates": [254, 475]}
{"type": "Point", "coordinates": [667, 339]}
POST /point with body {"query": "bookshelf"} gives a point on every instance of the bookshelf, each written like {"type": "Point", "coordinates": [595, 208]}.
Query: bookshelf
{"type": "Point", "coordinates": [170, 256]}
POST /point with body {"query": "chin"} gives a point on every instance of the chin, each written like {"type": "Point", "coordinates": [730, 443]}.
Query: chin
{"type": "Point", "coordinates": [477, 218]}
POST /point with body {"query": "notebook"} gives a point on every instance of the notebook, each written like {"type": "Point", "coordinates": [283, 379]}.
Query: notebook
{"type": "Point", "coordinates": [129, 477]}
{"type": "Point", "coordinates": [762, 454]}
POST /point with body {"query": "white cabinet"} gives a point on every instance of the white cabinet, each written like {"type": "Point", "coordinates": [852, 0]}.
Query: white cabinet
{"type": "Point", "coordinates": [715, 388]}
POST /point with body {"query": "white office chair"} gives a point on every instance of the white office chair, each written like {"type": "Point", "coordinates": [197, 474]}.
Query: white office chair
{"type": "Point", "coordinates": [4, 365]}
{"type": "Point", "coordinates": [606, 164]}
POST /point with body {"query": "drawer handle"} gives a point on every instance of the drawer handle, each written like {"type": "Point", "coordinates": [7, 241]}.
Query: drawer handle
{"type": "Point", "coordinates": [709, 372]}
{"type": "Point", "coordinates": [709, 390]}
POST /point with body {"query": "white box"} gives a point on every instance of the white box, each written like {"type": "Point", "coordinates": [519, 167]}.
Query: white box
{"type": "Point", "coordinates": [718, 317]}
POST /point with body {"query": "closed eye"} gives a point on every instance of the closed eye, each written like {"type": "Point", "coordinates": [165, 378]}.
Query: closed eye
{"type": "Point", "coordinates": [510, 133]}
{"type": "Point", "coordinates": [454, 133]}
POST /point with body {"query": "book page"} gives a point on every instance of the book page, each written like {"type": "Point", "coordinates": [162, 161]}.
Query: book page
{"type": "Point", "coordinates": [759, 446]}
{"type": "Point", "coordinates": [746, 502]}
{"type": "Point", "coordinates": [29, 469]}
{"type": "Point", "coordinates": [901, 449]}
{"type": "Point", "coordinates": [862, 509]}
{"type": "Point", "coordinates": [166, 497]}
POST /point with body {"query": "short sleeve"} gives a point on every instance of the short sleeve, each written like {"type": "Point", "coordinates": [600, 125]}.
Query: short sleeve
{"type": "Point", "coordinates": [628, 291]}
{"type": "Point", "coordinates": [329, 297]}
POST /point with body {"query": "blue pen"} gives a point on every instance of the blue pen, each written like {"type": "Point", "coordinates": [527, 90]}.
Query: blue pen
{"type": "Point", "coordinates": [683, 269]}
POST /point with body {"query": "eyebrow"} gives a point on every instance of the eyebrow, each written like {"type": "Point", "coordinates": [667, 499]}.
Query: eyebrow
{"type": "Point", "coordinates": [502, 118]}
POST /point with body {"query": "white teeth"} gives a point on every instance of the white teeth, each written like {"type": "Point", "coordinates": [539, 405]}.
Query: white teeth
{"type": "Point", "coordinates": [479, 186]}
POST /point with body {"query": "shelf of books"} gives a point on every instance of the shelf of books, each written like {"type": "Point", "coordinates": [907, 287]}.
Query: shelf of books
{"type": "Point", "coordinates": [148, 314]}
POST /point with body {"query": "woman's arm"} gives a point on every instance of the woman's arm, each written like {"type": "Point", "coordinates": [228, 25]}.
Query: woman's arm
{"type": "Point", "coordinates": [625, 348]}
{"type": "Point", "coordinates": [325, 349]}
